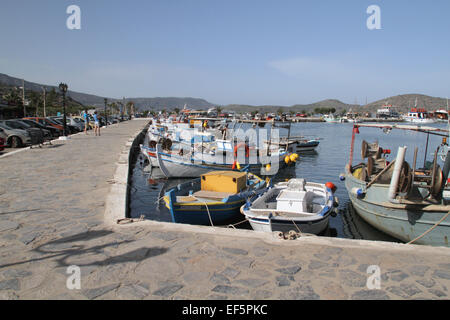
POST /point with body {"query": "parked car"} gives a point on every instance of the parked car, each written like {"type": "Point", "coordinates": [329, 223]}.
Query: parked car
{"type": "Point", "coordinates": [16, 138]}
{"type": "Point", "coordinates": [81, 119]}
{"type": "Point", "coordinates": [48, 122]}
{"type": "Point", "coordinates": [38, 134]}
{"type": "Point", "coordinates": [3, 137]}
{"type": "Point", "coordinates": [53, 131]}
{"type": "Point", "coordinates": [73, 125]}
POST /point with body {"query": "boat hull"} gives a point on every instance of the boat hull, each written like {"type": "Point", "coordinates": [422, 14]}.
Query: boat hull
{"type": "Point", "coordinates": [150, 154]}
{"type": "Point", "coordinates": [178, 167]}
{"type": "Point", "coordinates": [403, 222]}
{"type": "Point", "coordinates": [307, 146]}
{"type": "Point", "coordinates": [274, 225]}
{"type": "Point", "coordinates": [198, 214]}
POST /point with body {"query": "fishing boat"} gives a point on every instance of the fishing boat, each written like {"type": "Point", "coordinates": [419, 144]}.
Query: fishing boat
{"type": "Point", "coordinates": [213, 199]}
{"type": "Point", "coordinates": [294, 205]}
{"type": "Point", "coordinates": [331, 118]}
{"type": "Point", "coordinates": [441, 115]}
{"type": "Point", "coordinates": [418, 116]}
{"type": "Point", "coordinates": [150, 154]}
{"type": "Point", "coordinates": [387, 111]}
{"type": "Point", "coordinates": [296, 145]}
{"type": "Point", "coordinates": [192, 165]}
{"type": "Point", "coordinates": [403, 201]}
{"type": "Point", "coordinates": [307, 145]}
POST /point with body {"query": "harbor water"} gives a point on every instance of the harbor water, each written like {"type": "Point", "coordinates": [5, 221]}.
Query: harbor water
{"type": "Point", "coordinates": [148, 185]}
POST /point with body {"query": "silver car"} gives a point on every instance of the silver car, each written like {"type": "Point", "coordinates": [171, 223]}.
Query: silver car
{"type": "Point", "coordinates": [74, 122]}
{"type": "Point", "coordinates": [16, 138]}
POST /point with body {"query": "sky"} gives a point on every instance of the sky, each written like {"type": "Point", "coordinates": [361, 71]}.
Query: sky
{"type": "Point", "coordinates": [253, 52]}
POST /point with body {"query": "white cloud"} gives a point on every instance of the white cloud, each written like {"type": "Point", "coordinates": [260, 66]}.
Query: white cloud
{"type": "Point", "coordinates": [314, 68]}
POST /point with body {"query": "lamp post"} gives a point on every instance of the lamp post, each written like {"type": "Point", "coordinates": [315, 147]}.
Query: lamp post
{"type": "Point", "coordinates": [106, 116]}
{"type": "Point", "coordinates": [63, 88]}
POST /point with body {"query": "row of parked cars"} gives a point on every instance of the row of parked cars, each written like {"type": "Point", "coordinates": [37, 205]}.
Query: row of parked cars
{"type": "Point", "coordinates": [16, 133]}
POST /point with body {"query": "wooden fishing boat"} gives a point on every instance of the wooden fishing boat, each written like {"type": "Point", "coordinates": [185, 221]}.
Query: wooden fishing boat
{"type": "Point", "coordinates": [294, 205]}
{"type": "Point", "coordinates": [403, 201]}
{"type": "Point", "coordinates": [213, 199]}
{"type": "Point", "coordinates": [192, 165]}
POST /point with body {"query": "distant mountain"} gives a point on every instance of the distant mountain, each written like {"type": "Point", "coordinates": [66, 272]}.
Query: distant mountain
{"type": "Point", "coordinates": [403, 103]}
{"type": "Point", "coordinates": [169, 103]}
{"type": "Point", "coordinates": [97, 101]}
{"type": "Point", "coordinates": [309, 108]}
{"type": "Point", "coordinates": [83, 98]}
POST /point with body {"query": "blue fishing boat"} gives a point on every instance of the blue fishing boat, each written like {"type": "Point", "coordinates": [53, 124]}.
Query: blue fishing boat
{"type": "Point", "coordinates": [213, 199]}
{"type": "Point", "coordinates": [403, 201]}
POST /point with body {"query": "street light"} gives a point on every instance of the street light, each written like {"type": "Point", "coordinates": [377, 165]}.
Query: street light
{"type": "Point", "coordinates": [106, 116]}
{"type": "Point", "coordinates": [63, 88]}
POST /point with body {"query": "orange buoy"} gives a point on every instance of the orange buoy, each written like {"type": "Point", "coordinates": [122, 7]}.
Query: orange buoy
{"type": "Point", "coordinates": [331, 186]}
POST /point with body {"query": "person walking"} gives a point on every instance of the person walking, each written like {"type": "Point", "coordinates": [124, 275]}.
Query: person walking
{"type": "Point", "coordinates": [86, 121]}
{"type": "Point", "coordinates": [96, 124]}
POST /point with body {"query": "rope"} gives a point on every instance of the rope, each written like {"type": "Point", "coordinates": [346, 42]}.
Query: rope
{"type": "Point", "coordinates": [429, 230]}
{"type": "Point", "coordinates": [207, 209]}
{"type": "Point", "coordinates": [236, 224]}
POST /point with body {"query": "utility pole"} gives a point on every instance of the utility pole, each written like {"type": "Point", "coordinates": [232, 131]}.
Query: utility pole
{"type": "Point", "coordinates": [23, 98]}
{"type": "Point", "coordinates": [106, 116]}
{"type": "Point", "coordinates": [45, 114]}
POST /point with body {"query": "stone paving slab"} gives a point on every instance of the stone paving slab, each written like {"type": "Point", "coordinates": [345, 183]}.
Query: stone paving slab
{"type": "Point", "coordinates": [52, 205]}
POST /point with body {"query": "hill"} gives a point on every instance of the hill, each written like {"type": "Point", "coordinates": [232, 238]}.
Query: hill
{"type": "Point", "coordinates": [97, 101]}
{"type": "Point", "coordinates": [308, 108]}
{"type": "Point", "coordinates": [403, 103]}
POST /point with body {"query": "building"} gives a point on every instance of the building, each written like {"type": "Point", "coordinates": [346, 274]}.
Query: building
{"type": "Point", "coordinates": [8, 111]}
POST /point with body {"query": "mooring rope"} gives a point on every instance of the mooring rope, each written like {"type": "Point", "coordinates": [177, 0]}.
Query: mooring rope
{"type": "Point", "coordinates": [207, 209]}
{"type": "Point", "coordinates": [429, 230]}
{"type": "Point", "coordinates": [236, 224]}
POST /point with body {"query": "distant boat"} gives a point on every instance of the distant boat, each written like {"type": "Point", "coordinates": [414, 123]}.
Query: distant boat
{"type": "Point", "coordinates": [331, 118]}
{"type": "Point", "coordinates": [298, 145]}
{"type": "Point", "coordinates": [387, 112]}
{"type": "Point", "coordinates": [418, 116]}
{"type": "Point", "coordinates": [213, 199]}
{"type": "Point", "coordinates": [441, 115]}
{"type": "Point", "coordinates": [294, 205]}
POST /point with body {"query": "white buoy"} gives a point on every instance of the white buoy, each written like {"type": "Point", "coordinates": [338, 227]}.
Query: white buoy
{"type": "Point", "coordinates": [396, 174]}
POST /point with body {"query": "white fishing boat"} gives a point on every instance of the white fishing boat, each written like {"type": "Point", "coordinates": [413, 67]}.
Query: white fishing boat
{"type": "Point", "coordinates": [294, 205]}
{"type": "Point", "coordinates": [193, 165]}
{"type": "Point", "coordinates": [331, 118]}
{"type": "Point", "coordinates": [418, 116]}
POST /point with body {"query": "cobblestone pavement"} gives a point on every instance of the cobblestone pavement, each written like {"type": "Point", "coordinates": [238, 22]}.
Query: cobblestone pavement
{"type": "Point", "coordinates": [52, 202]}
